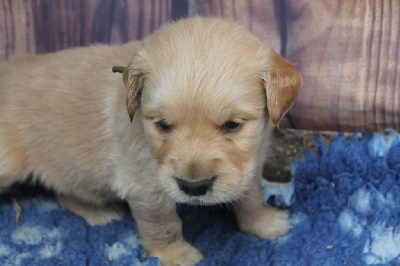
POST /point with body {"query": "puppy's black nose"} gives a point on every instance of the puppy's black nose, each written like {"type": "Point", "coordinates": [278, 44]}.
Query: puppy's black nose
{"type": "Point", "coordinates": [195, 188]}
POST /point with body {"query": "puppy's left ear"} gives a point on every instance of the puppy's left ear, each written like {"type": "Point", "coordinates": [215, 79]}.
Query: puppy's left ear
{"type": "Point", "coordinates": [282, 83]}
{"type": "Point", "coordinates": [133, 85]}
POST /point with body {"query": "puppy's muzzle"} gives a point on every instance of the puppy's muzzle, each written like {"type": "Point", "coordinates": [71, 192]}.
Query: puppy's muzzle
{"type": "Point", "coordinates": [195, 188]}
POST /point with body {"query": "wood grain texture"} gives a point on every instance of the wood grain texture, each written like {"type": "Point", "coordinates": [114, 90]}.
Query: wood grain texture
{"type": "Point", "coordinates": [42, 26]}
{"type": "Point", "coordinates": [16, 28]}
{"type": "Point", "coordinates": [348, 53]}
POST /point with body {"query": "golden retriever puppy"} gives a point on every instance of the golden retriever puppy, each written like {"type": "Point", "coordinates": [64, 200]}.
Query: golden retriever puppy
{"type": "Point", "coordinates": [188, 121]}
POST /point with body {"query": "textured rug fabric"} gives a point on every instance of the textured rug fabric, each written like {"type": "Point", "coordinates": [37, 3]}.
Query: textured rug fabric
{"type": "Point", "coordinates": [344, 206]}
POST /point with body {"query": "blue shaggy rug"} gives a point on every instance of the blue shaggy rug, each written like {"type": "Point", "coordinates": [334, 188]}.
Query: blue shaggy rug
{"type": "Point", "coordinates": [344, 206]}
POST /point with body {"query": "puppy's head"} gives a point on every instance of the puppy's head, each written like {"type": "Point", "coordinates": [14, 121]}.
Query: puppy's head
{"type": "Point", "coordinates": [205, 90]}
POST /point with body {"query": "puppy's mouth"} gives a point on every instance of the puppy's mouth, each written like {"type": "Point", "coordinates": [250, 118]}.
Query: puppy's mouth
{"type": "Point", "coordinates": [197, 200]}
{"type": "Point", "coordinates": [195, 192]}
{"type": "Point", "coordinates": [203, 192]}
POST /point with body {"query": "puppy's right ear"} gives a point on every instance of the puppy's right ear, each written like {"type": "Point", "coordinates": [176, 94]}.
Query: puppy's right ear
{"type": "Point", "coordinates": [133, 85]}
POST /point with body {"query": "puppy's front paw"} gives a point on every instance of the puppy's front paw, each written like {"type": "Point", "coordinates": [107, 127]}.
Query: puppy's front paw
{"type": "Point", "coordinates": [270, 223]}
{"type": "Point", "coordinates": [179, 253]}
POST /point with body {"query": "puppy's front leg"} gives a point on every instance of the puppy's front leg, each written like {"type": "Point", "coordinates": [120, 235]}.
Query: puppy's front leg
{"type": "Point", "coordinates": [161, 231]}
{"type": "Point", "coordinates": [255, 218]}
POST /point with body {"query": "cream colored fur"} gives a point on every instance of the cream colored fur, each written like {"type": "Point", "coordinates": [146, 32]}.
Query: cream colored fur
{"type": "Point", "coordinates": [63, 117]}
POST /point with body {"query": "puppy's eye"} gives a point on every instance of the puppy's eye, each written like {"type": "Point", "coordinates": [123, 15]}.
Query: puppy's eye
{"type": "Point", "coordinates": [163, 126]}
{"type": "Point", "coordinates": [231, 126]}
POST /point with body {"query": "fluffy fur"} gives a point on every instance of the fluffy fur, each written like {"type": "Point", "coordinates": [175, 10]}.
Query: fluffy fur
{"type": "Point", "coordinates": [96, 137]}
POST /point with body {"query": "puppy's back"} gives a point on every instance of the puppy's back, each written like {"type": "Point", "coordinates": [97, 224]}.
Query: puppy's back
{"type": "Point", "coordinates": [55, 110]}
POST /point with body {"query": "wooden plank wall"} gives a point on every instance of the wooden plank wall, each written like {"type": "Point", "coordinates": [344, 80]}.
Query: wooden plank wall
{"type": "Point", "coordinates": [42, 26]}
{"type": "Point", "coordinates": [349, 55]}
{"type": "Point", "coordinates": [348, 51]}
